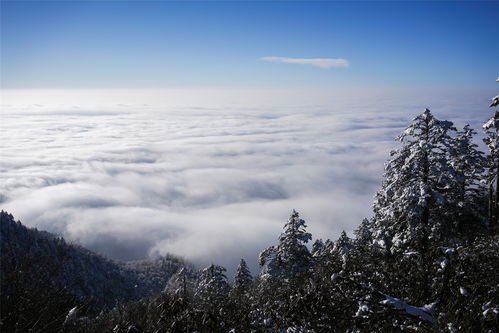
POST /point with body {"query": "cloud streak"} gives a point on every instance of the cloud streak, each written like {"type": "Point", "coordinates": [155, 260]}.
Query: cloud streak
{"type": "Point", "coordinates": [316, 62]}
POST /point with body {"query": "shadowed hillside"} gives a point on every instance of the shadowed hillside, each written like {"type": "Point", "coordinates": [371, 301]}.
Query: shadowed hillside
{"type": "Point", "coordinates": [30, 254]}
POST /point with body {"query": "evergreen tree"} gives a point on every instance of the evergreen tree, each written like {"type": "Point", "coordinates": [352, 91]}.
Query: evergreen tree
{"type": "Point", "coordinates": [343, 245]}
{"type": "Point", "coordinates": [211, 297]}
{"type": "Point", "coordinates": [317, 248]}
{"type": "Point", "coordinates": [363, 234]}
{"type": "Point", "coordinates": [468, 162]}
{"type": "Point", "coordinates": [239, 305]}
{"type": "Point", "coordinates": [243, 278]}
{"type": "Point", "coordinates": [182, 283]}
{"type": "Point", "coordinates": [322, 251]}
{"type": "Point", "coordinates": [342, 248]}
{"type": "Point", "coordinates": [291, 255]}
{"type": "Point", "coordinates": [212, 285]}
{"type": "Point", "coordinates": [413, 204]}
{"type": "Point", "coordinates": [492, 140]}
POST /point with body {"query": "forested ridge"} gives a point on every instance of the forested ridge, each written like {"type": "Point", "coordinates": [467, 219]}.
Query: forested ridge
{"type": "Point", "coordinates": [427, 261]}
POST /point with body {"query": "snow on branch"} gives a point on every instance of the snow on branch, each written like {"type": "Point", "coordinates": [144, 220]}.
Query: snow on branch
{"type": "Point", "coordinates": [424, 312]}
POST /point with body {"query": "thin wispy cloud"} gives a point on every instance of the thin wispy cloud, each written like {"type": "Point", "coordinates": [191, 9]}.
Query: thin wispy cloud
{"type": "Point", "coordinates": [316, 62]}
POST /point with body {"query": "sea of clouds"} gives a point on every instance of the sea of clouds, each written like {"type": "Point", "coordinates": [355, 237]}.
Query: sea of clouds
{"type": "Point", "coordinates": [208, 175]}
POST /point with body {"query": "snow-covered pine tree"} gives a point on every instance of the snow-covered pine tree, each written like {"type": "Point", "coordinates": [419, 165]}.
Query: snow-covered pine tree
{"type": "Point", "coordinates": [238, 307]}
{"type": "Point", "coordinates": [363, 234]}
{"type": "Point", "coordinates": [411, 207]}
{"type": "Point", "coordinates": [317, 248]}
{"type": "Point", "coordinates": [468, 162]}
{"type": "Point", "coordinates": [344, 244]}
{"type": "Point", "coordinates": [291, 255]}
{"type": "Point", "coordinates": [212, 287]}
{"type": "Point", "coordinates": [491, 128]}
{"type": "Point", "coordinates": [243, 278]}
{"type": "Point", "coordinates": [182, 283]}
{"type": "Point", "coordinates": [342, 248]}
{"type": "Point", "coordinates": [322, 251]}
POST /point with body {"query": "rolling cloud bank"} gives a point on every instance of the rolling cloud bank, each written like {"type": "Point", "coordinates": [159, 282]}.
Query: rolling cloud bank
{"type": "Point", "coordinates": [210, 176]}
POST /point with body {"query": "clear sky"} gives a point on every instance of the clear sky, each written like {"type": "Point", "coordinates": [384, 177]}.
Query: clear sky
{"type": "Point", "coordinates": [159, 44]}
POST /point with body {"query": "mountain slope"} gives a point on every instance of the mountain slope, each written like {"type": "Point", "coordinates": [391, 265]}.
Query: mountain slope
{"type": "Point", "coordinates": [90, 277]}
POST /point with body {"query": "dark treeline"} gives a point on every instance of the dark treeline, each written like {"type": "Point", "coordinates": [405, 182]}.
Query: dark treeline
{"type": "Point", "coordinates": [427, 261]}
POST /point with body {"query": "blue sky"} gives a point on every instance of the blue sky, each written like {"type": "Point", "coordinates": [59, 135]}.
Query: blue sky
{"type": "Point", "coordinates": [141, 44]}
{"type": "Point", "coordinates": [212, 173]}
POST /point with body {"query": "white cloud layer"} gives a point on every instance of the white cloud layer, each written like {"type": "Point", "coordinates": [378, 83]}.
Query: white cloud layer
{"type": "Point", "coordinates": [211, 176]}
{"type": "Point", "coordinates": [316, 62]}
